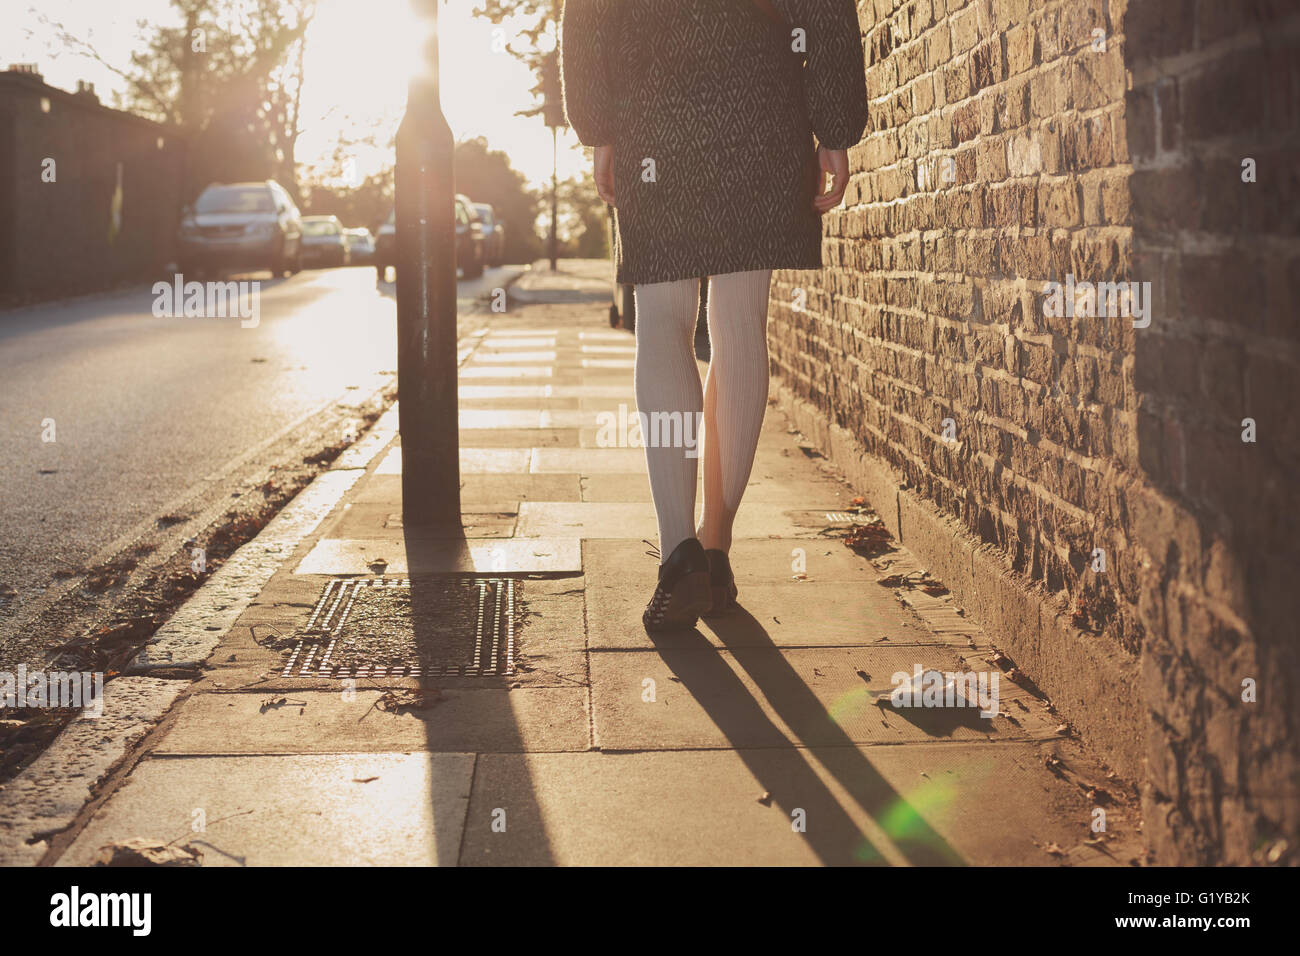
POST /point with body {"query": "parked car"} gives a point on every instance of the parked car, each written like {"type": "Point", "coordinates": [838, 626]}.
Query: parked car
{"type": "Point", "coordinates": [494, 234]}
{"type": "Point", "coordinates": [386, 245]}
{"type": "Point", "coordinates": [361, 245]}
{"type": "Point", "coordinates": [323, 243]}
{"type": "Point", "coordinates": [241, 225]}
{"type": "Point", "coordinates": [469, 242]}
{"type": "Point", "coordinates": [471, 254]}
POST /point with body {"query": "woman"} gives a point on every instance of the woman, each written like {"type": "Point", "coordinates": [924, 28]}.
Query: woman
{"type": "Point", "coordinates": [702, 114]}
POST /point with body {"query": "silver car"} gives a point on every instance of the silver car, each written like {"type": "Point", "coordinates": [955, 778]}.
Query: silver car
{"type": "Point", "coordinates": [241, 226]}
{"type": "Point", "coordinates": [323, 242]}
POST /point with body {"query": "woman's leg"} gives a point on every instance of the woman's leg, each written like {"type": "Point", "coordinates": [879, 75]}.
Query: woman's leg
{"type": "Point", "coordinates": [668, 381]}
{"type": "Point", "coordinates": [735, 397]}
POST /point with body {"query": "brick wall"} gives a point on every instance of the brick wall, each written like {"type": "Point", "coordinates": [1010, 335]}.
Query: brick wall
{"type": "Point", "coordinates": [54, 236]}
{"type": "Point", "coordinates": [1018, 441]}
{"type": "Point", "coordinates": [1214, 84]}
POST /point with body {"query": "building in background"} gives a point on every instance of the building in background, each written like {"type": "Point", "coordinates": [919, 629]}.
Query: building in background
{"type": "Point", "coordinates": [89, 196]}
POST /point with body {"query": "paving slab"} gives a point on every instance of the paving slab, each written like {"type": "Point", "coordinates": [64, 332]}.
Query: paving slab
{"type": "Point", "coordinates": [624, 487]}
{"type": "Point", "coordinates": [589, 461]}
{"type": "Point", "coordinates": [492, 356]}
{"type": "Point", "coordinates": [378, 519]}
{"type": "Point", "coordinates": [360, 809]}
{"type": "Point", "coordinates": [496, 719]}
{"type": "Point", "coordinates": [943, 804]}
{"type": "Point", "coordinates": [519, 437]}
{"type": "Point", "coordinates": [479, 419]}
{"type": "Point", "coordinates": [837, 603]}
{"type": "Point", "coordinates": [472, 461]}
{"type": "Point", "coordinates": [636, 520]}
{"type": "Point", "coordinates": [335, 556]}
{"type": "Point", "coordinates": [505, 373]}
{"type": "Point", "coordinates": [481, 489]}
{"type": "Point", "coordinates": [704, 698]}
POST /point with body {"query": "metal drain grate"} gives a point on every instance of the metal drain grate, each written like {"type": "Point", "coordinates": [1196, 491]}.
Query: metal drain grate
{"type": "Point", "coordinates": [385, 627]}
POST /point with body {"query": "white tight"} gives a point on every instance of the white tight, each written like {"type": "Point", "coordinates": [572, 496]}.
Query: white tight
{"type": "Point", "coordinates": [733, 399]}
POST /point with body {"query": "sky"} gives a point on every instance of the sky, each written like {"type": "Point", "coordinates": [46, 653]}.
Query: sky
{"type": "Point", "coordinates": [360, 54]}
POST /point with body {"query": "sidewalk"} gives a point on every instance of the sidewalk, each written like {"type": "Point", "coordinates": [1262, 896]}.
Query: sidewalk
{"type": "Point", "coordinates": [371, 704]}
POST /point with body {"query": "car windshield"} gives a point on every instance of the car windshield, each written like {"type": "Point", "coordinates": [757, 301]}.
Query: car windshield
{"type": "Point", "coordinates": [235, 199]}
{"type": "Point", "coordinates": [484, 213]}
{"type": "Point", "coordinates": [319, 227]}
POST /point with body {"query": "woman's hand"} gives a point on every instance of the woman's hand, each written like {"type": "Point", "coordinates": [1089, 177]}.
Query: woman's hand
{"type": "Point", "coordinates": [834, 162]}
{"type": "Point", "coordinates": [604, 173]}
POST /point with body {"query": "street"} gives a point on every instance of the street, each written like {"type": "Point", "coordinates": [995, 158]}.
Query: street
{"type": "Point", "coordinates": [151, 412]}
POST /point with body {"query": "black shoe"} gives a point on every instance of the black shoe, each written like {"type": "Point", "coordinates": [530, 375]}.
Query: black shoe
{"type": "Point", "coordinates": [722, 582]}
{"type": "Point", "coordinates": [683, 593]}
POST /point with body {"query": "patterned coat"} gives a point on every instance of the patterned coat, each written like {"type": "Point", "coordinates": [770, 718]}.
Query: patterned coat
{"type": "Point", "coordinates": [712, 122]}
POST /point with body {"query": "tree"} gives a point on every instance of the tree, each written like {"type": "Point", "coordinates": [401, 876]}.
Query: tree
{"type": "Point", "coordinates": [585, 225]}
{"type": "Point", "coordinates": [485, 175]}
{"type": "Point", "coordinates": [230, 76]}
{"type": "Point", "coordinates": [535, 43]}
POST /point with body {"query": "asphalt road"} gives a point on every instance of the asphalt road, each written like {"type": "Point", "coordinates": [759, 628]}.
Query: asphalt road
{"type": "Point", "coordinates": [145, 408]}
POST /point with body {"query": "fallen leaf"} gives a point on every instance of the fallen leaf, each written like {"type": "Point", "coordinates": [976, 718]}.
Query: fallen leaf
{"type": "Point", "coordinates": [142, 852]}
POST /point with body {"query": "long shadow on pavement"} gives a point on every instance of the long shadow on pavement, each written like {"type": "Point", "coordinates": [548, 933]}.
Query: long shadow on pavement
{"type": "Point", "coordinates": [796, 704]}
{"type": "Point", "coordinates": [832, 834]}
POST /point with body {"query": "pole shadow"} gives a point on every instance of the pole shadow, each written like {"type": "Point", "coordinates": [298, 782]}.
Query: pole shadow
{"type": "Point", "coordinates": [435, 560]}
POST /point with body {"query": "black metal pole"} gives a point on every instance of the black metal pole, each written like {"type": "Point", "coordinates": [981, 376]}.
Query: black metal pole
{"type": "Point", "coordinates": [426, 302]}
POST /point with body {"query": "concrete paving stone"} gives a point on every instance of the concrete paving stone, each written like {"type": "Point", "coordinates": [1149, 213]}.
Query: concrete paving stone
{"type": "Point", "coordinates": [480, 489]}
{"type": "Point", "coordinates": [601, 335]}
{"type": "Point", "coordinates": [608, 519]}
{"type": "Point", "coordinates": [604, 405]}
{"type": "Point", "coordinates": [505, 372]}
{"type": "Point", "coordinates": [472, 461]}
{"type": "Point", "coordinates": [379, 520]}
{"type": "Point", "coordinates": [608, 349]}
{"type": "Point", "coordinates": [608, 363]}
{"type": "Point", "coordinates": [587, 461]}
{"type": "Point", "coordinates": [520, 356]}
{"type": "Point", "coordinates": [523, 333]}
{"type": "Point", "coordinates": [705, 698]}
{"type": "Point", "coordinates": [483, 420]}
{"type": "Point", "coordinates": [538, 392]}
{"type": "Point", "coordinates": [569, 418]}
{"type": "Point", "coordinates": [520, 437]}
{"type": "Point", "coordinates": [360, 809]}
{"type": "Point", "coordinates": [794, 614]}
{"type": "Point", "coordinates": [505, 343]}
{"type": "Point", "coordinates": [494, 403]}
{"type": "Point", "coordinates": [444, 556]}
{"type": "Point", "coordinates": [495, 719]}
{"type": "Point", "coordinates": [616, 487]}
{"type": "Point", "coordinates": [476, 488]}
{"type": "Point", "coordinates": [585, 519]}
{"type": "Point", "coordinates": [941, 804]}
